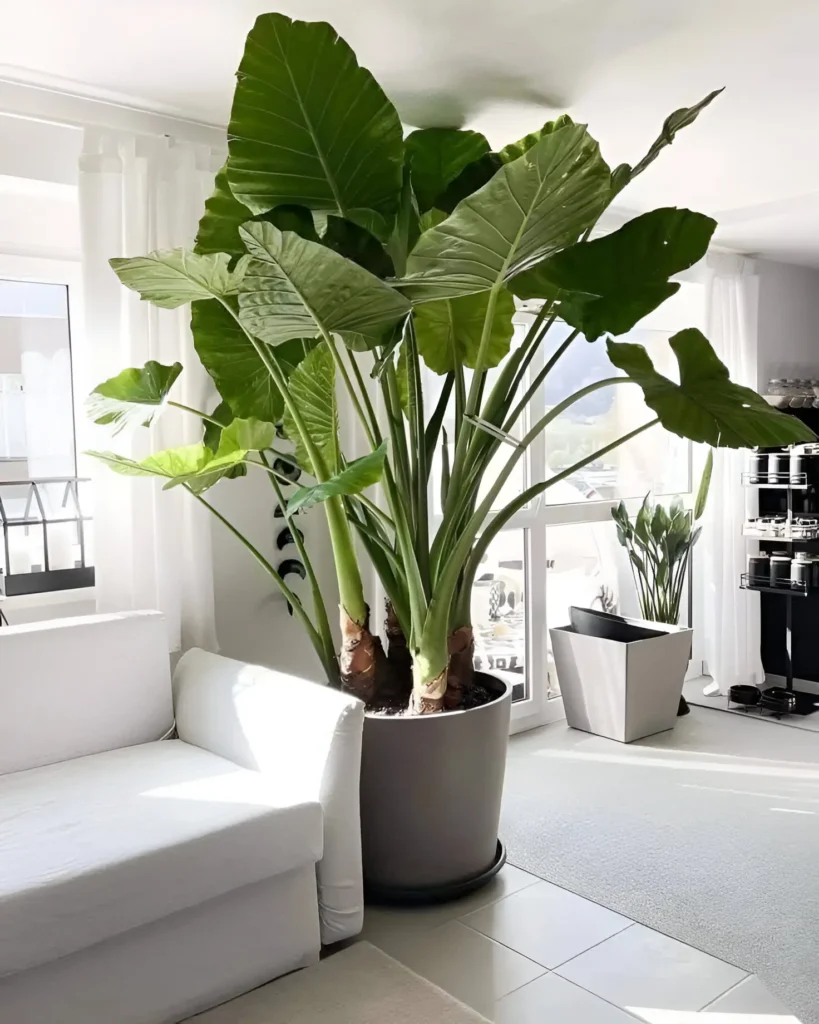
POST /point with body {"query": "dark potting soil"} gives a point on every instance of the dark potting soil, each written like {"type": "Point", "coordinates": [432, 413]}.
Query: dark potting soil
{"type": "Point", "coordinates": [475, 697]}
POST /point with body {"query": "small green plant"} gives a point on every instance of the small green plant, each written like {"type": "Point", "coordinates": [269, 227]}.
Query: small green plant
{"type": "Point", "coordinates": [659, 545]}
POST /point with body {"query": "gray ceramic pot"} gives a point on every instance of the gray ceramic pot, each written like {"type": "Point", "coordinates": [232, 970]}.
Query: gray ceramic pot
{"type": "Point", "coordinates": [431, 790]}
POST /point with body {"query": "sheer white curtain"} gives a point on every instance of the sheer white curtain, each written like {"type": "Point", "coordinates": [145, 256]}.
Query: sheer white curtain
{"type": "Point", "coordinates": [152, 547]}
{"type": "Point", "coordinates": [730, 616]}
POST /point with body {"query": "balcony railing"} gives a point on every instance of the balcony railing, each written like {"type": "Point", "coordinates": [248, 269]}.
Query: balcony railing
{"type": "Point", "coordinates": [45, 543]}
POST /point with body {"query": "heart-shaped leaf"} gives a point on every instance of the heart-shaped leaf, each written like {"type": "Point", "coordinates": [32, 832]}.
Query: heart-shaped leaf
{"type": "Point", "coordinates": [608, 285]}
{"type": "Point", "coordinates": [219, 225]}
{"type": "Point", "coordinates": [516, 149]}
{"type": "Point", "coordinates": [135, 397]}
{"type": "Point", "coordinates": [471, 178]}
{"type": "Point", "coordinates": [449, 331]}
{"type": "Point", "coordinates": [196, 465]}
{"type": "Point", "coordinates": [173, 277]}
{"type": "Point", "coordinates": [212, 435]}
{"type": "Point", "coordinates": [295, 288]}
{"type": "Point", "coordinates": [353, 479]}
{"type": "Point", "coordinates": [311, 127]}
{"type": "Point", "coordinates": [436, 156]}
{"type": "Point", "coordinates": [228, 355]}
{"type": "Point", "coordinates": [531, 208]}
{"type": "Point", "coordinates": [706, 405]}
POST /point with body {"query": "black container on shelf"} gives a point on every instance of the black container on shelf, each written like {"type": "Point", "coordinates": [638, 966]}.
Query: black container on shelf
{"type": "Point", "coordinates": [758, 468]}
{"type": "Point", "coordinates": [759, 567]}
{"type": "Point", "coordinates": [780, 574]}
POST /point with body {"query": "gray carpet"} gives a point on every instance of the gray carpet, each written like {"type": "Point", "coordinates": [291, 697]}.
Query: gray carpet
{"type": "Point", "coordinates": [709, 833]}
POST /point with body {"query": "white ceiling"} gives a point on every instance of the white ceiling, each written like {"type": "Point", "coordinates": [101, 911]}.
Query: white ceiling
{"type": "Point", "coordinates": [504, 66]}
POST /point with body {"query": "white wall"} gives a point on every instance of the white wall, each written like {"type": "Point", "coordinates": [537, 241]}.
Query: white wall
{"type": "Point", "coordinates": [788, 321]}
{"type": "Point", "coordinates": [252, 621]}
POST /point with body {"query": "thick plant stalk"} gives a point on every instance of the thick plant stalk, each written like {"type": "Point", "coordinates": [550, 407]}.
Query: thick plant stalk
{"type": "Point", "coordinates": [362, 659]}
{"type": "Point", "coordinates": [461, 669]}
{"type": "Point", "coordinates": [428, 694]}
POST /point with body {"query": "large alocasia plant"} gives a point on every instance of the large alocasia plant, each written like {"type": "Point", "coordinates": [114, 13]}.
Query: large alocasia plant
{"type": "Point", "coordinates": [335, 259]}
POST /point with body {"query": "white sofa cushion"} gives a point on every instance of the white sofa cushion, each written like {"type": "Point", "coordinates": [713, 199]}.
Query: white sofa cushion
{"type": "Point", "coordinates": [273, 722]}
{"type": "Point", "coordinates": [92, 847]}
{"type": "Point", "coordinates": [70, 687]}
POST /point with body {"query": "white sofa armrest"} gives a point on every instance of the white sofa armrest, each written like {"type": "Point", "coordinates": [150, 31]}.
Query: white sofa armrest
{"type": "Point", "coordinates": [303, 732]}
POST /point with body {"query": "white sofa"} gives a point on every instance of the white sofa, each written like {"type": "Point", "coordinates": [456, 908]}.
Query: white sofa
{"type": "Point", "coordinates": [143, 879]}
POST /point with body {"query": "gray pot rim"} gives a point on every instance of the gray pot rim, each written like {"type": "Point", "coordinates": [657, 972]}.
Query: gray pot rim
{"type": "Point", "coordinates": [444, 715]}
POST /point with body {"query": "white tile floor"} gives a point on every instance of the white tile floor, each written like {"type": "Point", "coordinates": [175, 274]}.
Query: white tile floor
{"type": "Point", "coordinates": [524, 951]}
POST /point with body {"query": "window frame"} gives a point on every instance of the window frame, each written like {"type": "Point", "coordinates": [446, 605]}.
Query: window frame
{"type": "Point", "coordinates": [67, 273]}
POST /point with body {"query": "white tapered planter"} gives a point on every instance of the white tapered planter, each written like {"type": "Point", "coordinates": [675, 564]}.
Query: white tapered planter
{"type": "Point", "coordinates": [622, 690]}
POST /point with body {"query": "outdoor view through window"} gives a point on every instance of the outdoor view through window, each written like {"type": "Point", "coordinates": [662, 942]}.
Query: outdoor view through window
{"type": "Point", "coordinates": [44, 538]}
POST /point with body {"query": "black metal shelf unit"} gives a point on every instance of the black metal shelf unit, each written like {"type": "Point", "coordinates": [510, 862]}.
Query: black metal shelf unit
{"type": "Point", "coordinates": [778, 493]}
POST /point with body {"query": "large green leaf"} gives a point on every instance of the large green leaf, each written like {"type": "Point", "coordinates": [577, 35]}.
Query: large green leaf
{"type": "Point", "coordinates": [312, 386]}
{"type": "Point", "coordinates": [471, 178]}
{"type": "Point", "coordinates": [172, 277]}
{"type": "Point", "coordinates": [449, 330]}
{"type": "Point", "coordinates": [311, 127]}
{"type": "Point", "coordinates": [353, 479]}
{"type": "Point", "coordinates": [246, 434]}
{"type": "Point", "coordinates": [436, 156]}
{"type": "Point", "coordinates": [228, 355]}
{"type": "Point", "coordinates": [196, 464]}
{"type": "Point", "coordinates": [355, 243]}
{"type": "Point", "coordinates": [295, 288]}
{"type": "Point", "coordinates": [193, 464]}
{"type": "Point", "coordinates": [212, 435]}
{"type": "Point", "coordinates": [531, 208]}
{"type": "Point", "coordinates": [516, 149]}
{"type": "Point", "coordinates": [706, 405]}
{"type": "Point", "coordinates": [608, 285]}
{"type": "Point", "coordinates": [219, 225]}
{"type": "Point", "coordinates": [134, 397]}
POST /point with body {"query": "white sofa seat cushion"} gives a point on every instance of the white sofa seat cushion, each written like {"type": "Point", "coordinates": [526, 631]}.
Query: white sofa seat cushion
{"type": "Point", "coordinates": [93, 847]}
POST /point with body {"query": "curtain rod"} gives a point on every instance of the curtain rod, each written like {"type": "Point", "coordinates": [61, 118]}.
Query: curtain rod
{"type": "Point", "coordinates": [72, 110]}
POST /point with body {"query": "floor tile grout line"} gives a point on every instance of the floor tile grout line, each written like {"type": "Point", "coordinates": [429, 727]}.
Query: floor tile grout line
{"type": "Point", "coordinates": [571, 959]}
{"type": "Point", "coordinates": [498, 942]}
{"type": "Point", "coordinates": [552, 970]}
{"type": "Point", "coordinates": [649, 927]}
{"type": "Point", "coordinates": [725, 993]}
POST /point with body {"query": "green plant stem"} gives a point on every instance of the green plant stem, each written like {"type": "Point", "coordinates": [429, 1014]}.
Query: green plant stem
{"type": "Point", "coordinates": [370, 428]}
{"type": "Point", "coordinates": [438, 620]}
{"type": "Point", "coordinates": [457, 493]}
{"type": "Point", "coordinates": [319, 607]}
{"type": "Point", "coordinates": [196, 412]}
{"type": "Point", "coordinates": [419, 450]}
{"type": "Point", "coordinates": [435, 424]}
{"type": "Point", "coordinates": [350, 585]}
{"type": "Point", "coordinates": [392, 405]}
{"type": "Point", "coordinates": [503, 517]}
{"type": "Point", "coordinates": [538, 380]}
{"type": "Point", "coordinates": [295, 604]}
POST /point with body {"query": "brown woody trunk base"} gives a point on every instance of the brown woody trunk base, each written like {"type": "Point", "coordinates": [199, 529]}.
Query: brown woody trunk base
{"type": "Point", "coordinates": [461, 673]}
{"type": "Point", "coordinates": [362, 660]}
{"type": "Point", "coordinates": [397, 684]}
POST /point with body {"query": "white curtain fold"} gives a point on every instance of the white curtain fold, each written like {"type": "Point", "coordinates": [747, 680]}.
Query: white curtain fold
{"type": "Point", "coordinates": [152, 547]}
{"type": "Point", "coordinates": [730, 618]}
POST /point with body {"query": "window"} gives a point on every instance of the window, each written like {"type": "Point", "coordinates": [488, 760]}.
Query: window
{"type": "Point", "coordinates": [45, 541]}
{"type": "Point", "coordinates": [563, 550]}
